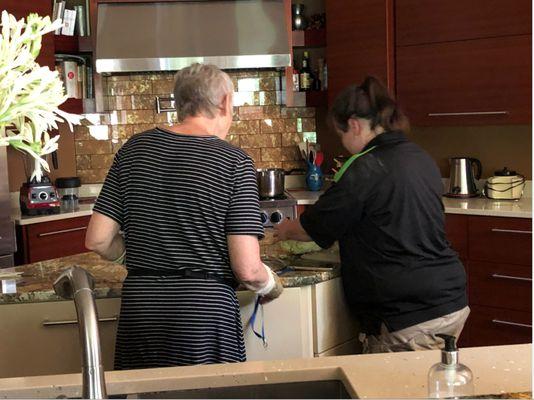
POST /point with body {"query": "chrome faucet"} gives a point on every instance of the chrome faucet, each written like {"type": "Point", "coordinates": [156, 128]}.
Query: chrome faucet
{"type": "Point", "coordinates": [76, 283]}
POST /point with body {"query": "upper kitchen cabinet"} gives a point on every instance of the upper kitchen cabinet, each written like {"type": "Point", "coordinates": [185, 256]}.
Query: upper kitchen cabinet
{"type": "Point", "coordinates": [468, 82]}
{"type": "Point", "coordinates": [464, 62]}
{"type": "Point", "coordinates": [21, 9]}
{"type": "Point", "coordinates": [430, 21]}
{"type": "Point", "coordinates": [360, 42]}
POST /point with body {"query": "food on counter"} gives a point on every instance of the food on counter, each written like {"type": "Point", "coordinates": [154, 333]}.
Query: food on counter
{"type": "Point", "coordinates": [295, 247]}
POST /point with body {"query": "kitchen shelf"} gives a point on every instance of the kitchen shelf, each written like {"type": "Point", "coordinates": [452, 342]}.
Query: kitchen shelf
{"type": "Point", "coordinates": [66, 44]}
{"type": "Point", "coordinates": [309, 38]}
{"type": "Point", "coordinates": [73, 44]}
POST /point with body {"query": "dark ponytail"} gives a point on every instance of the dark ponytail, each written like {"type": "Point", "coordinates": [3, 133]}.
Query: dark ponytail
{"type": "Point", "coordinates": [371, 100]}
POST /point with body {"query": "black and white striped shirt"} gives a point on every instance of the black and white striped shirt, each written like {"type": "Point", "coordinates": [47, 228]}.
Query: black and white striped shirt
{"type": "Point", "coordinates": [177, 197]}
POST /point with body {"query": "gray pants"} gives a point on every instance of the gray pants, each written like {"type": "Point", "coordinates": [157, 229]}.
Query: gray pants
{"type": "Point", "coordinates": [417, 337]}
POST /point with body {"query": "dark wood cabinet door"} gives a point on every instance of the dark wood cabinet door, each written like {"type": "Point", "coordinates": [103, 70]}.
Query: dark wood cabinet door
{"type": "Point", "coordinates": [501, 240]}
{"type": "Point", "coordinates": [21, 9]}
{"type": "Point", "coordinates": [500, 285]}
{"type": "Point", "coordinates": [472, 82]}
{"type": "Point", "coordinates": [48, 240]}
{"type": "Point", "coordinates": [360, 38]}
{"type": "Point", "coordinates": [431, 21]}
{"type": "Point", "coordinates": [456, 231]}
{"type": "Point", "coordinates": [490, 326]}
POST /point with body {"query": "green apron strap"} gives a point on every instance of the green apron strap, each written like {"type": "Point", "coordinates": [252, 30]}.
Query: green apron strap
{"type": "Point", "coordinates": [348, 163]}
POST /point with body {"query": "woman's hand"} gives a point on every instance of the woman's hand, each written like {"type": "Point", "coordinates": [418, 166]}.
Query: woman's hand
{"type": "Point", "coordinates": [291, 229]}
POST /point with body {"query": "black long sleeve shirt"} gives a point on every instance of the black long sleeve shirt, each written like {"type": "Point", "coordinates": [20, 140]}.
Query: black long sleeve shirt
{"type": "Point", "coordinates": [387, 214]}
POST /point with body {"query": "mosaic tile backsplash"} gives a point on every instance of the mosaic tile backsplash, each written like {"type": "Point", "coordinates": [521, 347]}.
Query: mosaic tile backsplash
{"type": "Point", "coordinates": [264, 128]}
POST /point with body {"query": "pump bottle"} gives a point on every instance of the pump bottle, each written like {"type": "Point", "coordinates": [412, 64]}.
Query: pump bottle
{"type": "Point", "coordinates": [449, 378]}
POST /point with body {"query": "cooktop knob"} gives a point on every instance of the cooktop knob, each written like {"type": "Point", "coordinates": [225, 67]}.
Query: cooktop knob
{"type": "Point", "coordinates": [264, 217]}
{"type": "Point", "coordinates": [276, 217]}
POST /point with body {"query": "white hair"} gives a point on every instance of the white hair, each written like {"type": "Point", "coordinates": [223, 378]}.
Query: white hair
{"type": "Point", "coordinates": [200, 89]}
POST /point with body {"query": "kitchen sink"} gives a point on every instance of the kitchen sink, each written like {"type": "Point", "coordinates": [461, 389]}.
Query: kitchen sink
{"type": "Point", "coordinates": [332, 389]}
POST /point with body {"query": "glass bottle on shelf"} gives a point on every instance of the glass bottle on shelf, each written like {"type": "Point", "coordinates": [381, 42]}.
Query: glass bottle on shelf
{"type": "Point", "coordinates": [296, 79]}
{"type": "Point", "coordinates": [305, 73]}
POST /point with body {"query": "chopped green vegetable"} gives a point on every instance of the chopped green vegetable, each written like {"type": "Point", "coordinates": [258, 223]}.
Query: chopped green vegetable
{"type": "Point", "coordinates": [295, 247]}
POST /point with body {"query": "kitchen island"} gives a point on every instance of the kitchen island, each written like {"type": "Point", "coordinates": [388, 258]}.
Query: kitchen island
{"type": "Point", "coordinates": [498, 371]}
{"type": "Point", "coordinates": [309, 319]}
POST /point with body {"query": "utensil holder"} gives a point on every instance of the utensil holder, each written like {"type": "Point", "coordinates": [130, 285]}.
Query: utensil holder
{"type": "Point", "coordinates": [314, 177]}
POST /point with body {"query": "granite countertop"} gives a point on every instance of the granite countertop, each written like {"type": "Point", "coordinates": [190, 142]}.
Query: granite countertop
{"type": "Point", "coordinates": [35, 284]}
{"type": "Point", "coordinates": [498, 371]}
{"type": "Point", "coordinates": [474, 206]}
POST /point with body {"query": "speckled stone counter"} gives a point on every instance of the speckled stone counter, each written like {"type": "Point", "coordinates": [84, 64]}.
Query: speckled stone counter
{"type": "Point", "coordinates": [35, 284]}
{"type": "Point", "coordinates": [499, 372]}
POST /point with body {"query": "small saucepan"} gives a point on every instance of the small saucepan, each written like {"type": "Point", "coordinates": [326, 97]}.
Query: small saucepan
{"type": "Point", "coordinates": [270, 182]}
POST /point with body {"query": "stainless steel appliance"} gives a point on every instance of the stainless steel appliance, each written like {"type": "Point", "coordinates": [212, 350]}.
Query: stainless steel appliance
{"type": "Point", "coordinates": [8, 244]}
{"type": "Point", "coordinates": [271, 183]}
{"type": "Point", "coordinates": [462, 183]}
{"type": "Point", "coordinates": [275, 210]}
{"type": "Point", "coordinates": [229, 34]}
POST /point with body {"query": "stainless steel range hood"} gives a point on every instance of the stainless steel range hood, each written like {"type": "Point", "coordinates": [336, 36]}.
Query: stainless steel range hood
{"type": "Point", "coordinates": [168, 36]}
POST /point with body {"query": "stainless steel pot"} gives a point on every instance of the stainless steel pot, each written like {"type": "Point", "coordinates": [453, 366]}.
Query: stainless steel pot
{"type": "Point", "coordinates": [270, 182]}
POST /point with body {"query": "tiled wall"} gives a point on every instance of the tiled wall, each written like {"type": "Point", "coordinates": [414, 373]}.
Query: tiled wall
{"type": "Point", "coordinates": [265, 129]}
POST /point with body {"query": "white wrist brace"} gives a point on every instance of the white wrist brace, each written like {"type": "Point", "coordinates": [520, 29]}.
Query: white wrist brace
{"type": "Point", "coordinates": [270, 283]}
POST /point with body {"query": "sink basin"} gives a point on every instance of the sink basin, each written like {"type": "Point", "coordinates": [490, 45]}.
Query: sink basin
{"type": "Point", "coordinates": [333, 389]}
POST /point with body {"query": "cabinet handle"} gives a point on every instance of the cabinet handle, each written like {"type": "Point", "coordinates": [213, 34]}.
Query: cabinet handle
{"type": "Point", "coordinates": [74, 322]}
{"type": "Point", "coordinates": [459, 114]}
{"type": "Point", "coordinates": [497, 230]}
{"type": "Point", "coordinates": [82, 228]}
{"type": "Point", "coordinates": [515, 278]}
{"type": "Point", "coordinates": [500, 322]}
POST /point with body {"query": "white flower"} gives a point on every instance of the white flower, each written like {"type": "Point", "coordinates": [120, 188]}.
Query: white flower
{"type": "Point", "coordinates": [29, 94]}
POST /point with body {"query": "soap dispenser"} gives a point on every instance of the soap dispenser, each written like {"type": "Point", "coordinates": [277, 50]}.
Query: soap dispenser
{"type": "Point", "coordinates": [449, 378]}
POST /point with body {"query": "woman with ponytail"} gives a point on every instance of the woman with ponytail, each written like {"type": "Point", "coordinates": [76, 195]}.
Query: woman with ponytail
{"type": "Point", "coordinates": [401, 278]}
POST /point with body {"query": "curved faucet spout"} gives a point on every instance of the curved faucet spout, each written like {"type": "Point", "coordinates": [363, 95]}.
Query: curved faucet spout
{"type": "Point", "coordinates": [76, 283]}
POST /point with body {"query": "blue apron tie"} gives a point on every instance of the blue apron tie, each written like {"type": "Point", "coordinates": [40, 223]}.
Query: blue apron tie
{"type": "Point", "coordinates": [252, 322]}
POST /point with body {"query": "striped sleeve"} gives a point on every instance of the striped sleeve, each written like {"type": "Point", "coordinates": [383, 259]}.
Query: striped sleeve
{"type": "Point", "coordinates": [243, 217]}
{"type": "Point", "coordinates": [110, 199]}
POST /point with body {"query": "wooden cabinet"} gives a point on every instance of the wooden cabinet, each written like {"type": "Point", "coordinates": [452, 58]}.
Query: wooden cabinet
{"type": "Point", "coordinates": [498, 255]}
{"type": "Point", "coordinates": [42, 338]}
{"type": "Point", "coordinates": [21, 9]}
{"type": "Point", "coordinates": [491, 326]}
{"type": "Point", "coordinates": [471, 82]}
{"type": "Point", "coordinates": [456, 231]}
{"type": "Point", "coordinates": [359, 37]}
{"type": "Point", "coordinates": [48, 240]}
{"type": "Point", "coordinates": [430, 21]}
{"type": "Point", "coordinates": [502, 240]}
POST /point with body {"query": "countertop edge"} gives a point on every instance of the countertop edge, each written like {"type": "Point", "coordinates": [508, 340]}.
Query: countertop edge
{"type": "Point", "coordinates": [497, 369]}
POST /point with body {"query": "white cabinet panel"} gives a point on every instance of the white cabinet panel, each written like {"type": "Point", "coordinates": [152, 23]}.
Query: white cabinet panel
{"type": "Point", "coordinates": [288, 325]}
{"type": "Point", "coordinates": [28, 346]}
{"type": "Point", "coordinates": [333, 323]}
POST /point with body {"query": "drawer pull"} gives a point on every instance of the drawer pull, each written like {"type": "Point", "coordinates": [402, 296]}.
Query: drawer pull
{"type": "Point", "coordinates": [82, 228]}
{"type": "Point", "coordinates": [459, 114]}
{"type": "Point", "coordinates": [74, 322]}
{"type": "Point", "coordinates": [497, 230]}
{"type": "Point", "coordinates": [515, 278]}
{"type": "Point", "coordinates": [500, 322]}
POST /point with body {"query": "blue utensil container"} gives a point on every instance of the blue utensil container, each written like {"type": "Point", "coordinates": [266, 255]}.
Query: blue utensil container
{"type": "Point", "coordinates": [314, 177]}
